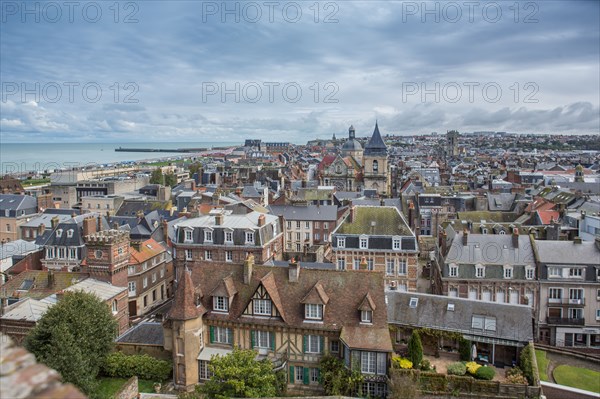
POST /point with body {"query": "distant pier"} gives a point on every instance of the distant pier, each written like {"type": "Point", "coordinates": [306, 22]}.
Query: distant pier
{"type": "Point", "coordinates": [183, 150]}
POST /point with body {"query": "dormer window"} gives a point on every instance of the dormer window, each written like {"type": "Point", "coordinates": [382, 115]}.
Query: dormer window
{"type": "Point", "coordinates": [453, 270]}
{"type": "Point", "coordinates": [529, 272]}
{"type": "Point", "coordinates": [479, 271]}
{"type": "Point", "coordinates": [261, 307]}
{"type": "Point", "coordinates": [341, 242]}
{"type": "Point", "coordinates": [313, 311]}
{"type": "Point", "coordinates": [188, 235]}
{"type": "Point", "coordinates": [220, 304]}
{"type": "Point", "coordinates": [366, 316]}
{"type": "Point", "coordinates": [70, 233]}
{"type": "Point", "coordinates": [229, 237]}
{"type": "Point", "coordinates": [508, 272]}
{"type": "Point", "coordinates": [249, 237]}
{"type": "Point", "coordinates": [208, 235]}
{"type": "Point", "coordinates": [396, 243]}
{"type": "Point", "coordinates": [364, 242]}
{"type": "Point", "coordinates": [59, 233]}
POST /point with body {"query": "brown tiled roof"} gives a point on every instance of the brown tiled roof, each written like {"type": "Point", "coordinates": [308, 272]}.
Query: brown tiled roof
{"type": "Point", "coordinates": [184, 305]}
{"type": "Point", "coordinates": [345, 290]}
{"type": "Point", "coordinates": [148, 250]}
{"type": "Point", "coordinates": [367, 303]}
{"type": "Point", "coordinates": [225, 288]}
{"type": "Point", "coordinates": [316, 295]}
{"type": "Point", "coordinates": [367, 338]}
{"type": "Point", "coordinates": [39, 288]}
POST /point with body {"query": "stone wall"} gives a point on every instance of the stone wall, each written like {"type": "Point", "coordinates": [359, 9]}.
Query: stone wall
{"type": "Point", "coordinates": [129, 390]}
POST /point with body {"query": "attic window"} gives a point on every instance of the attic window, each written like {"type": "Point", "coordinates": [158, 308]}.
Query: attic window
{"type": "Point", "coordinates": [59, 232]}
{"type": "Point", "coordinates": [451, 307]}
{"type": "Point", "coordinates": [26, 285]}
{"type": "Point", "coordinates": [70, 233]}
{"type": "Point", "coordinates": [413, 303]}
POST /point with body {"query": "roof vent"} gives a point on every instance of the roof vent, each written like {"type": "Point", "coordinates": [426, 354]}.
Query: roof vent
{"type": "Point", "coordinates": [413, 302]}
{"type": "Point", "coordinates": [451, 307]}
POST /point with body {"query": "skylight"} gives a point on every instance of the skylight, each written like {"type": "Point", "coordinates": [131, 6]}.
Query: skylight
{"type": "Point", "coordinates": [413, 302]}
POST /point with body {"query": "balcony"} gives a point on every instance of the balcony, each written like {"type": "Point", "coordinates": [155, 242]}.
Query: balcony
{"type": "Point", "coordinates": [567, 322]}
{"type": "Point", "coordinates": [566, 301]}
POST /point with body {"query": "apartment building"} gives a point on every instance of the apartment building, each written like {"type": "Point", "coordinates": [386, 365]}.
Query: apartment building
{"type": "Point", "coordinates": [15, 210]}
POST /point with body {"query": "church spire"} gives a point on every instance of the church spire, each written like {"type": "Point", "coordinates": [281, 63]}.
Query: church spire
{"type": "Point", "coordinates": [376, 146]}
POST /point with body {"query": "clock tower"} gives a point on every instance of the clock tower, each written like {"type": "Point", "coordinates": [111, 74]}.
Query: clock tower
{"type": "Point", "coordinates": [108, 256]}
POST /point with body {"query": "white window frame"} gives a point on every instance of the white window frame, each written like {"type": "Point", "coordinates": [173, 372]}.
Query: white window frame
{"type": "Point", "coordinates": [313, 344]}
{"type": "Point", "coordinates": [402, 267]}
{"type": "Point", "coordinates": [341, 242]}
{"type": "Point", "coordinates": [313, 311]}
{"type": "Point", "coordinates": [188, 254]}
{"type": "Point", "coordinates": [552, 272]}
{"type": "Point", "coordinates": [341, 264]}
{"type": "Point", "coordinates": [131, 270]}
{"type": "Point", "coordinates": [390, 267]}
{"type": "Point", "coordinates": [188, 235]}
{"type": "Point", "coordinates": [145, 282]}
{"type": "Point", "coordinates": [208, 235]}
{"type": "Point", "coordinates": [262, 307]}
{"type": "Point", "coordinates": [453, 270]}
{"type": "Point", "coordinates": [249, 237]}
{"type": "Point", "coordinates": [208, 254]}
{"type": "Point", "coordinates": [366, 316]}
{"type": "Point", "coordinates": [396, 244]}
{"type": "Point", "coordinates": [479, 271]}
{"type": "Point", "coordinates": [222, 335]}
{"type": "Point", "coordinates": [363, 242]}
{"type": "Point", "coordinates": [368, 362]}
{"type": "Point", "coordinates": [228, 256]}
{"type": "Point", "coordinates": [260, 337]}
{"type": "Point", "coordinates": [507, 272]}
{"type": "Point", "coordinates": [220, 304]}
{"type": "Point", "coordinates": [131, 287]}
{"type": "Point", "coordinates": [228, 237]}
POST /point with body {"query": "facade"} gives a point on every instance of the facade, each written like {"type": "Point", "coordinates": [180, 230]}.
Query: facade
{"type": "Point", "coordinates": [569, 312]}
{"type": "Point", "coordinates": [343, 173]}
{"type": "Point", "coordinates": [223, 236]}
{"type": "Point", "coordinates": [290, 315]}
{"type": "Point", "coordinates": [377, 238]}
{"type": "Point", "coordinates": [352, 147]}
{"type": "Point", "coordinates": [108, 204]}
{"type": "Point", "coordinates": [376, 169]}
{"type": "Point", "coordinates": [489, 267]}
{"type": "Point", "coordinates": [15, 210]}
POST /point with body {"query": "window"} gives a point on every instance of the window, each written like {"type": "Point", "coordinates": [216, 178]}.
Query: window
{"type": "Point", "coordinates": [307, 225]}
{"type": "Point", "coordinates": [369, 264]}
{"type": "Point", "coordinates": [221, 304]}
{"type": "Point", "coordinates": [229, 256]}
{"type": "Point", "coordinates": [375, 166]}
{"type": "Point", "coordinates": [341, 264]}
{"type": "Point", "coordinates": [508, 271]}
{"type": "Point", "coordinates": [326, 225]}
{"type": "Point", "coordinates": [313, 311]}
{"type": "Point", "coordinates": [479, 271]}
{"type": "Point", "coordinates": [208, 255]}
{"type": "Point", "coordinates": [402, 267]}
{"type": "Point", "coordinates": [486, 323]}
{"type": "Point", "coordinates": [262, 307]}
{"type": "Point", "coordinates": [145, 282]}
{"type": "Point", "coordinates": [306, 236]}
{"type": "Point", "coordinates": [356, 264]}
{"type": "Point", "coordinates": [314, 375]}
{"type": "Point", "coordinates": [49, 253]}
{"type": "Point", "coordinates": [312, 343]}
{"type": "Point", "coordinates": [453, 292]}
{"type": "Point", "coordinates": [58, 232]}
{"type": "Point", "coordinates": [366, 316]}
{"type": "Point", "coordinates": [529, 272]}
{"type": "Point", "coordinates": [188, 235]}
{"type": "Point", "coordinates": [297, 224]}
{"type": "Point", "coordinates": [334, 346]}
{"type": "Point", "coordinates": [145, 266]}
{"type": "Point", "coordinates": [555, 295]}
{"type": "Point", "coordinates": [367, 362]}
{"type": "Point", "coordinates": [131, 285]}
{"type": "Point", "coordinates": [61, 253]}
{"type": "Point", "coordinates": [326, 237]}
{"type": "Point", "coordinates": [576, 296]}
{"type": "Point", "coordinates": [208, 235]}
{"type": "Point", "coordinates": [396, 243]}
{"type": "Point", "coordinates": [554, 272]}
{"type": "Point", "coordinates": [364, 242]}
{"type": "Point", "coordinates": [249, 237]}
{"type": "Point", "coordinates": [299, 375]}
{"type": "Point", "coordinates": [72, 253]}
{"type": "Point", "coordinates": [453, 271]}
{"type": "Point", "coordinates": [229, 237]}
{"type": "Point", "coordinates": [598, 293]}
{"type": "Point", "coordinates": [297, 236]}
{"type": "Point", "coordinates": [413, 302]}
{"type": "Point", "coordinates": [162, 273]}
{"type": "Point", "coordinates": [188, 254]}
{"type": "Point", "coordinates": [289, 225]}
{"type": "Point", "coordinates": [575, 272]}
{"type": "Point", "coordinates": [204, 372]}
{"type": "Point", "coordinates": [597, 314]}
{"type": "Point", "coordinates": [575, 313]}
{"type": "Point", "coordinates": [262, 339]}
{"type": "Point", "coordinates": [153, 295]}
{"type": "Point", "coordinates": [145, 300]}
{"type": "Point", "coordinates": [341, 242]}
{"type": "Point", "coordinates": [297, 247]}
{"type": "Point", "coordinates": [70, 233]}
{"type": "Point", "coordinates": [317, 236]}
{"type": "Point", "coordinates": [389, 267]}
{"type": "Point", "coordinates": [221, 335]}
{"type": "Point", "coordinates": [115, 308]}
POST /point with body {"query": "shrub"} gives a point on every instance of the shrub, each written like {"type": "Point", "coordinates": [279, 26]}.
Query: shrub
{"type": "Point", "coordinates": [526, 363]}
{"type": "Point", "coordinates": [457, 368]}
{"type": "Point", "coordinates": [144, 367]}
{"type": "Point", "coordinates": [464, 349]}
{"type": "Point", "coordinates": [401, 362]}
{"type": "Point", "coordinates": [415, 349]}
{"type": "Point", "coordinates": [426, 365]}
{"type": "Point", "coordinates": [472, 367]}
{"type": "Point", "coordinates": [485, 373]}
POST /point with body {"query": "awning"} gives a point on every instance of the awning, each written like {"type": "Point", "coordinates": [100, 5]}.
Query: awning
{"type": "Point", "coordinates": [206, 353]}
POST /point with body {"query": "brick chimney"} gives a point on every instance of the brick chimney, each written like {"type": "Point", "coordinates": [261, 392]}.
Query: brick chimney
{"type": "Point", "coordinates": [219, 219]}
{"type": "Point", "coordinates": [248, 266]}
{"type": "Point", "coordinates": [89, 226]}
{"type": "Point", "coordinates": [99, 223]}
{"type": "Point", "coordinates": [465, 237]}
{"type": "Point", "coordinates": [41, 229]}
{"type": "Point", "coordinates": [352, 214]}
{"type": "Point", "coordinates": [515, 237]}
{"type": "Point", "coordinates": [261, 220]}
{"type": "Point", "coordinates": [54, 222]}
{"type": "Point", "coordinates": [51, 280]}
{"type": "Point", "coordinates": [293, 270]}
{"type": "Point", "coordinates": [411, 215]}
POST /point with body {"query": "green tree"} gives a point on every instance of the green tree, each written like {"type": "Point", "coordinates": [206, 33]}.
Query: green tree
{"type": "Point", "coordinates": [337, 379]}
{"type": "Point", "coordinates": [415, 349]}
{"type": "Point", "coordinates": [240, 375]}
{"type": "Point", "coordinates": [74, 337]}
{"type": "Point", "coordinates": [167, 179]}
{"type": "Point", "coordinates": [195, 167]}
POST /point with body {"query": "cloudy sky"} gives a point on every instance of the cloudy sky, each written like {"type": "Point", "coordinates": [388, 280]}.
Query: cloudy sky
{"type": "Point", "coordinates": [215, 71]}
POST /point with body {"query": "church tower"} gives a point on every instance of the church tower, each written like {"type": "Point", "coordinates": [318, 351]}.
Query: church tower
{"type": "Point", "coordinates": [107, 256]}
{"type": "Point", "coordinates": [376, 166]}
{"type": "Point", "coordinates": [579, 174]}
{"type": "Point", "coordinates": [352, 147]}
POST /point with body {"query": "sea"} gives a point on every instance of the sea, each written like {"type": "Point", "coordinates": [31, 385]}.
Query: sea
{"type": "Point", "coordinates": [17, 158]}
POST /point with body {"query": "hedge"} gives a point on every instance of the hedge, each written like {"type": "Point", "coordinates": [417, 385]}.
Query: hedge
{"type": "Point", "coordinates": [457, 368]}
{"type": "Point", "coordinates": [485, 373]}
{"type": "Point", "coordinates": [144, 367]}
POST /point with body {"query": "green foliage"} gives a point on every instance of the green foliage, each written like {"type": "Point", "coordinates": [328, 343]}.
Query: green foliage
{"type": "Point", "coordinates": [195, 167]}
{"type": "Point", "coordinates": [73, 337]}
{"type": "Point", "coordinates": [542, 362]}
{"type": "Point", "coordinates": [526, 363]}
{"type": "Point", "coordinates": [485, 373]}
{"type": "Point", "coordinates": [415, 349]}
{"type": "Point", "coordinates": [457, 368]}
{"type": "Point", "coordinates": [464, 349]}
{"type": "Point", "coordinates": [432, 382]}
{"type": "Point", "coordinates": [403, 385]}
{"type": "Point", "coordinates": [144, 367]}
{"type": "Point", "coordinates": [168, 179]}
{"type": "Point", "coordinates": [239, 375]}
{"type": "Point", "coordinates": [401, 363]}
{"type": "Point", "coordinates": [337, 379]}
{"type": "Point", "coordinates": [515, 375]}
{"type": "Point", "coordinates": [426, 365]}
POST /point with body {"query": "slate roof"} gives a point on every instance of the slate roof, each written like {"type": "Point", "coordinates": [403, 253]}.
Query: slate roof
{"type": "Point", "coordinates": [387, 221]}
{"type": "Point", "coordinates": [16, 202]}
{"type": "Point", "coordinates": [344, 290]}
{"type": "Point", "coordinates": [145, 333]}
{"type": "Point", "coordinates": [46, 219]}
{"type": "Point", "coordinates": [375, 145]}
{"type": "Point", "coordinates": [310, 212]}
{"type": "Point", "coordinates": [489, 249]}
{"type": "Point", "coordinates": [26, 310]}
{"type": "Point", "coordinates": [513, 322]}
{"type": "Point", "coordinates": [101, 289]}
{"type": "Point", "coordinates": [567, 252]}
{"type": "Point", "coordinates": [17, 247]}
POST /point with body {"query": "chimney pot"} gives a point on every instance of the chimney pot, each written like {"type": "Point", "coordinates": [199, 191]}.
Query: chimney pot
{"type": "Point", "coordinates": [293, 271]}
{"type": "Point", "coordinates": [261, 220]}
{"type": "Point", "coordinates": [465, 237]}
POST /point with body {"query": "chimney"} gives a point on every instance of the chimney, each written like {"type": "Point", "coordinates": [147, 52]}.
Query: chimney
{"type": "Point", "coordinates": [41, 229]}
{"type": "Point", "coordinates": [54, 222]}
{"type": "Point", "coordinates": [99, 223]}
{"type": "Point", "coordinates": [136, 245]}
{"type": "Point", "coordinates": [261, 220]}
{"type": "Point", "coordinates": [515, 237]}
{"type": "Point", "coordinates": [89, 226]}
{"type": "Point", "coordinates": [116, 226]}
{"type": "Point", "coordinates": [352, 214]}
{"type": "Point", "coordinates": [248, 265]}
{"type": "Point", "coordinates": [363, 265]}
{"type": "Point", "coordinates": [442, 241]}
{"type": "Point", "coordinates": [293, 271]}
{"type": "Point", "coordinates": [219, 219]}
{"type": "Point", "coordinates": [465, 237]}
{"type": "Point", "coordinates": [411, 215]}
{"type": "Point", "coordinates": [51, 281]}
{"type": "Point", "coordinates": [577, 240]}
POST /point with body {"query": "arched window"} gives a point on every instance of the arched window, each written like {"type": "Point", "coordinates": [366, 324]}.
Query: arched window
{"type": "Point", "coordinates": [375, 166]}
{"type": "Point", "coordinates": [114, 306]}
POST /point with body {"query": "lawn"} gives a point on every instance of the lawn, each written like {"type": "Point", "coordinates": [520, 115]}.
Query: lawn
{"type": "Point", "coordinates": [34, 182]}
{"type": "Point", "coordinates": [109, 386]}
{"type": "Point", "coordinates": [577, 377]}
{"type": "Point", "coordinates": [542, 362]}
